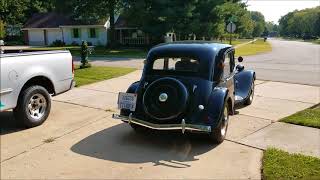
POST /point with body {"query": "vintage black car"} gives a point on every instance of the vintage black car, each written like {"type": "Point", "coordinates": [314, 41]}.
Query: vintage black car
{"type": "Point", "coordinates": [188, 86]}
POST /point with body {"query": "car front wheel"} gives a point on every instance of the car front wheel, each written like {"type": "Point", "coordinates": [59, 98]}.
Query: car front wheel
{"type": "Point", "coordinates": [249, 100]}
{"type": "Point", "coordinates": [33, 106]}
{"type": "Point", "coordinates": [219, 133]}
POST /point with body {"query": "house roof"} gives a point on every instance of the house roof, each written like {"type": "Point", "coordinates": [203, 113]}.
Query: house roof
{"type": "Point", "coordinates": [48, 20]}
{"type": "Point", "coordinates": [53, 20]}
{"type": "Point", "coordinates": [121, 22]}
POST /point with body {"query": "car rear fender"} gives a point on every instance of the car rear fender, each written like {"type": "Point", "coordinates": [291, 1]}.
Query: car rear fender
{"type": "Point", "coordinates": [243, 83]}
{"type": "Point", "coordinates": [217, 100]}
{"type": "Point", "coordinates": [133, 87]}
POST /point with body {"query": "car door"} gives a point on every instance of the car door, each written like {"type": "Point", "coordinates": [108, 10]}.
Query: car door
{"type": "Point", "coordinates": [229, 72]}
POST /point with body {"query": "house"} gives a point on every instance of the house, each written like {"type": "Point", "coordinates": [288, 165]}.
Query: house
{"type": "Point", "coordinates": [44, 28]}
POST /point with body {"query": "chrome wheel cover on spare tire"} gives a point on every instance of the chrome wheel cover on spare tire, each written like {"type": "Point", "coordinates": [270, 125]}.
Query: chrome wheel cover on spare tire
{"type": "Point", "coordinates": [165, 99]}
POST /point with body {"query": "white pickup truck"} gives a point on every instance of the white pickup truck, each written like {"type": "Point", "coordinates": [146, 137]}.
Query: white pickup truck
{"type": "Point", "coordinates": [29, 79]}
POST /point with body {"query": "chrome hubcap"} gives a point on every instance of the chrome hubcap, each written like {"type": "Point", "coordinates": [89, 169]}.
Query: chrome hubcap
{"type": "Point", "coordinates": [163, 97]}
{"type": "Point", "coordinates": [37, 106]}
{"type": "Point", "coordinates": [225, 122]}
{"type": "Point", "coordinates": [252, 92]}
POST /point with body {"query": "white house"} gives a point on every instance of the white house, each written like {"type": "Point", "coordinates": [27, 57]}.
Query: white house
{"type": "Point", "coordinates": [44, 28]}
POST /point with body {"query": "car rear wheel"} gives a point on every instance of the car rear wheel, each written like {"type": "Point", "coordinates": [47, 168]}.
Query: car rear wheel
{"type": "Point", "coordinates": [33, 106]}
{"type": "Point", "coordinates": [219, 133]}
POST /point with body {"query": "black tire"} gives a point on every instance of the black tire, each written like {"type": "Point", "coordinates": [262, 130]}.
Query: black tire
{"type": "Point", "coordinates": [249, 99]}
{"type": "Point", "coordinates": [219, 133]}
{"type": "Point", "coordinates": [174, 103]}
{"type": "Point", "coordinates": [139, 129]}
{"type": "Point", "coordinates": [38, 99]}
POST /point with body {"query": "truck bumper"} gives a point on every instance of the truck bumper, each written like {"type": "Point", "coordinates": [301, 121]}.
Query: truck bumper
{"type": "Point", "coordinates": [183, 126]}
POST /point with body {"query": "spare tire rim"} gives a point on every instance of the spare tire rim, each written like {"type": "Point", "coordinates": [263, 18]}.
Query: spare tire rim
{"type": "Point", "coordinates": [224, 122]}
{"type": "Point", "coordinates": [37, 106]}
{"type": "Point", "coordinates": [165, 99]}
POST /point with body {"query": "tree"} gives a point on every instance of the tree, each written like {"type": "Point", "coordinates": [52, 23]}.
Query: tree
{"type": "Point", "coordinates": [301, 24]}
{"type": "Point", "coordinates": [2, 30]}
{"type": "Point", "coordinates": [259, 23]}
{"type": "Point", "coordinates": [242, 17]}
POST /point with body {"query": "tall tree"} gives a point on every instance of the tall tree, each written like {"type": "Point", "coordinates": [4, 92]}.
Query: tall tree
{"type": "Point", "coordinates": [242, 17]}
{"type": "Point", "coordinates": [259, 23]}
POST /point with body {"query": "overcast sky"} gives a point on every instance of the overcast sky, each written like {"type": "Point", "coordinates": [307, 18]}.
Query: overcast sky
{"type": "Point", "coordinates": [274, 9]}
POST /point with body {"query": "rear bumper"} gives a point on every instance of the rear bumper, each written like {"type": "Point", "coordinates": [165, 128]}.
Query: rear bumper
{"type": "Point", "coordinates": [183, 126]}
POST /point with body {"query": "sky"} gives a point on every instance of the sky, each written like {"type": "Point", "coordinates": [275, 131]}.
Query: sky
{"type": "Point", "coordinates": [274, 9]}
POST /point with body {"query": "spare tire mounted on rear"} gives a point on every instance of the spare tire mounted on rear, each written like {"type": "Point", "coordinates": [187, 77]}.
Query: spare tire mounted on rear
{"type": "Point", "coordinates": [165, 99]}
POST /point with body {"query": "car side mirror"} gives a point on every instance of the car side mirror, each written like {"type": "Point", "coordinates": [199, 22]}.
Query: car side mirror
{"type": "Point", "coordinates": [240, 59]}
{"type": "Point", "coordinates": [240, 67]}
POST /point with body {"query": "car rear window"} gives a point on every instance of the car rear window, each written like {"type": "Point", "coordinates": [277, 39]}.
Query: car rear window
{"type": "Point", "coordinates": [181, 64]}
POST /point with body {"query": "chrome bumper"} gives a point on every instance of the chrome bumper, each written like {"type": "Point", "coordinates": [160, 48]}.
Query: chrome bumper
{"type": "Point", "coordinates": [183, 126]}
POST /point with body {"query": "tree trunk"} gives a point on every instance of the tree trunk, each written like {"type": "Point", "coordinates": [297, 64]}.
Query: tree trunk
{"type": "Point", "coordinates": [112, 28]}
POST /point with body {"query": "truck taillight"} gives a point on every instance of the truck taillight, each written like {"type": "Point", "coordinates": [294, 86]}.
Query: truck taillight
{"type": "Point", "coordinates": [72, 67]}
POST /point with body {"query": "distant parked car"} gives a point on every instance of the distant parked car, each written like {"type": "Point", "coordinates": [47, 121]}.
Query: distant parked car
{"type": "Point", "coordinates": [189, 87]}
{"type": "Point", "coordinates": [29, 79]}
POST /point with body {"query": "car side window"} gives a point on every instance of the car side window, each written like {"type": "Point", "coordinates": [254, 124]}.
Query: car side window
{"type": "Point", "coordinates": [227, 68]}
{"type": "Point", "coordinates": [232, 61]}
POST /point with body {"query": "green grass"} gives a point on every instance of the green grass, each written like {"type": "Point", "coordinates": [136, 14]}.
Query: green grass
{"type": "Point", "coordinates": [278, 164]}
{"type": "Point", "coordinates": [99, 51]}
{"type": "Point", "coordinates": [98, 73]}
{"type": "Point", "coordinates": [256, 47]}
{"type": "Point", "coordinates": [236, 42]}
{"type": "Point", "coordinates": [53, 48]}
{"type": "Point", "coordinates": [124, 53]}
{"type": "Point", "coordinates": [308, 117]}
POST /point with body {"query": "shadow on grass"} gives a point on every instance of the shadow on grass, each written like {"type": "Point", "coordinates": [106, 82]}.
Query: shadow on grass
{"type": "Point", "coordinates": [121, 144]}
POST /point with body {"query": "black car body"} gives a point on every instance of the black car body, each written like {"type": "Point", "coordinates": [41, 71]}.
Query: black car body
{"type": "Point", "coordinates": [189, 87]}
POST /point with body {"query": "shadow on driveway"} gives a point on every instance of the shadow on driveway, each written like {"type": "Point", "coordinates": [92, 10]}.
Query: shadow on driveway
{"type": "Point", "coordinates": [9, 124]}
{"type": "Point", "coordinates": [121, 144]}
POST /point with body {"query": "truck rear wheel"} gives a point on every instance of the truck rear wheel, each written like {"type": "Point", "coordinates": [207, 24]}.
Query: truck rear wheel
{"type": "Point", "coordinates": [33, 106]}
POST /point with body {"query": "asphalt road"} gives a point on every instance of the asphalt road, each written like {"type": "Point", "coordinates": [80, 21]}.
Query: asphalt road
{"type": "Point", "coordinates": [289, 61]}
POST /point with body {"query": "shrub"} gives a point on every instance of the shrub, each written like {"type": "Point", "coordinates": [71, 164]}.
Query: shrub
{"type": "Point", "coordinates": [74, 43]}
{"type": "Point", "coordinates": [58, 43]}
{"type": "Point", "coordinates": [84, 55]}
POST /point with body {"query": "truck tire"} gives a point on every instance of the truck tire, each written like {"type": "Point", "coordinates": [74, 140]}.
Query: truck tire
{"type": "Point", "coordinates": [33, 106]}
{"type": "Point", "coordinates": [219, 133]}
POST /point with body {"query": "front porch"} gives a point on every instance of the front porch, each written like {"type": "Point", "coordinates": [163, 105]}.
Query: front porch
{"type": "Point", "coordinates": [131, 37]}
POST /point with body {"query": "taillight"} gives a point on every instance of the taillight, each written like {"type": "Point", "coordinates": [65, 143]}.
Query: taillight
{"type": "Point", "coordinates": [72, 67]}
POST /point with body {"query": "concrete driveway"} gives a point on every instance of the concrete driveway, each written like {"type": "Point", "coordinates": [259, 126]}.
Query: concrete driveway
{"type": "Point", "coordinates": [80, 140]}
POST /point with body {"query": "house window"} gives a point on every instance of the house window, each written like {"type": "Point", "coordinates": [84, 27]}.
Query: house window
{"type": "Point", "coordinates": [92, 33]}
{"type": "Point", "coordinates": [76, 33]}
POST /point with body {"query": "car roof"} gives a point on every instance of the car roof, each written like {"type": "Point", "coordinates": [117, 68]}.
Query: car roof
{"type": "Point", "coordinates": [196, 49]}
{"type": "Point", "coordinates": [205, 52]}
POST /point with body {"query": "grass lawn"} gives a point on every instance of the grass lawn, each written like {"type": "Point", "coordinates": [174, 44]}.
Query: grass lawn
{"type": "Point", "coordinates": [98, 73]}
{"type": "Point", "coordinates": [102, 51]}
{"type": "Point", "coordinates": [308, 117]}
{"type": "Point", "coordinates": [278, 164]}
{"type": "Point", "coordinates": [99, 51]}
{"type": "Point", "coordinates": [256, 47]}
{"type": "Point", "coordinates": [236, 42]}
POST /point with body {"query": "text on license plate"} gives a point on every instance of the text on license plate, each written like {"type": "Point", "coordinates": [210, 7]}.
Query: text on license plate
{"type": "Point", "coordinates": [127, 101]}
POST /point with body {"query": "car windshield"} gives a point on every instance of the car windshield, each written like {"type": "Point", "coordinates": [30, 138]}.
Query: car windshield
{"type": "Point", "coordinates": [182, 64]}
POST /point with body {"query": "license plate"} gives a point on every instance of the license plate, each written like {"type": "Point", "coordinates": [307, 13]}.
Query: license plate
{"type": "Point", "coordinates": [127, 101]}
